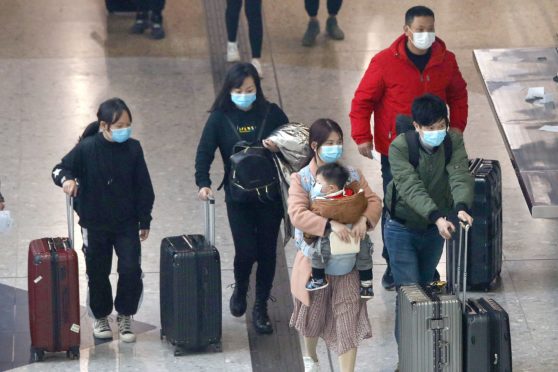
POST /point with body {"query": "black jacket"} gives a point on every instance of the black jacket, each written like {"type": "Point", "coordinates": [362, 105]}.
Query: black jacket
{"type": "Point", "coordinates": [218, 133]}
{"type": "Point", "coordinates": [115, 190]}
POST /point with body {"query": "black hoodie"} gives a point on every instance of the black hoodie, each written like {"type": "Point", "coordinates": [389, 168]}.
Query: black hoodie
{"type": "Point", "coordinates": [115, 190]}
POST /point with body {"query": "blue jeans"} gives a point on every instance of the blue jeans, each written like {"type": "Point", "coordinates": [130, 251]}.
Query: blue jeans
{"type": "Point", "coordinates": [413, 257]}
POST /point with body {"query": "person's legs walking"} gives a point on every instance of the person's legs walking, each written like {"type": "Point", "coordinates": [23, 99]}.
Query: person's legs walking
{"type": "Point", "coordinates": [142, 17]}
{"type": "Point", "coordinates": [253, 10]}
{"type": "Point", "coordinates": [310, 357]}
{"type": "Point", "coordinates": [232, 16]}
{"type": "Point", "coordinates": [130, 284]}
{"type": "Point", "coordinates": [268, 219]}
{"type": "Point", "coordinates": [332, 28]}
{"type": "Point", "coordinates": [403, 258]}
{"type": "Point", "coordinates": [387, 278]}
{"type": "Point", "coordinates": [313, 28]}
{"type": "Point", "coordinates": [347, 360]}
{"type": "Point", "coordinates": [97, 249]}
{"type": "Point", "coordinates": [243, 228]}
{"type": "Point", "coordinates": [157, 30]}
{"type": "Point", "coordinates": [429, 253]}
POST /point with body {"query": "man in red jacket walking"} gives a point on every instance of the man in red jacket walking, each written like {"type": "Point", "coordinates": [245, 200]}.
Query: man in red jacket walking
{"type": "Point", "coordinates": [416, 63]}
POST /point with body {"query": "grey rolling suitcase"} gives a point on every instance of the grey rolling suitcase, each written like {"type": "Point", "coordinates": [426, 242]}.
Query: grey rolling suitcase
{"type": "Point", "coordinates": [430, 331]}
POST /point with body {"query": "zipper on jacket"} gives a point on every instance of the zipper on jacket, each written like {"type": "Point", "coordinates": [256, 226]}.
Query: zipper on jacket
{"type": "Point", "coordinates": [55, 299]}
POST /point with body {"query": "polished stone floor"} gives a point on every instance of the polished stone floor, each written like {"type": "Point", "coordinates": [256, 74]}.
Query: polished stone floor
{"type": "Point", "coordinates": [59, 59]}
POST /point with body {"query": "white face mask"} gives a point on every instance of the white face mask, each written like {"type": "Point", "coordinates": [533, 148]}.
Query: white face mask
{"type": "Point", "coordinates": [6, 222]}
{"type": "Point", "coordinates": [423, 40]}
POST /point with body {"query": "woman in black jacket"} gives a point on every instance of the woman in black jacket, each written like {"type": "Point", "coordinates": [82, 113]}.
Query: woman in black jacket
{"type": "Point", "coordinates": [242, 108]}
{"type": "Point", "coordinates": [107, 173]}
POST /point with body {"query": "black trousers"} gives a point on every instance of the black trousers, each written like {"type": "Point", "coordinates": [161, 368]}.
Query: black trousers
{"type": "Point", "coordinates": [156, 6]}
{"type": "Point", "coordinates": [312, 7]}
{"type": "Point", "coordinates": [253, 11]}
{"type": "Point", "coordinates": [386, 178]}
{"type": "Point", "coordinates": [98, 246]}
{"type": "Point", "coordinates": [255, 229]}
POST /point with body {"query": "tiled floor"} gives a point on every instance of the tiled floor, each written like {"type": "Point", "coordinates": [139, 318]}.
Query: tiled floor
{"type": "Point", "coordinates": [59, 59]}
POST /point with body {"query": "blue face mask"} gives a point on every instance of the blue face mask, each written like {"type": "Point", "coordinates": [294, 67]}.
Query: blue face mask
{"type": "Point", "coordinates": [434, 138]}
{"type": "Point", "coordinates": [121, 135]}
{"type": "Point", "coordinates": [243, 100]}
{"type": "Point", "coordinates": [331, 153]}
{"type": "Point", "coordinates": [317, 190]}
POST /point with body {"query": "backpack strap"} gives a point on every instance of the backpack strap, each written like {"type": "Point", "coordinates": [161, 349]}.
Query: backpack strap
{"type": "Point", "coordinates": [413, 147]}
{"type": "Point", "coordinates": [448, 148]}
{"type": "Point", "coordinates": [264, 122]}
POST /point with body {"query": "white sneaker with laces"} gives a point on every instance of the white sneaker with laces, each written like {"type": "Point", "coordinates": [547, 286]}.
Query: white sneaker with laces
{"type": "Point", "coordinates": [232, 52]}
{"type": "Point", "coordinates": [125, 328]}
{"type": "Point", "coordinates": [310, 365]}
{"type": "Point", "coordinates": [257, 64]}
{"type": "Point", "coordinates": [101, 328]}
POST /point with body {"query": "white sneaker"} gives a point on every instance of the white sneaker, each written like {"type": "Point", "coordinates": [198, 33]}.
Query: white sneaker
{"type": "Point", "coordinates": [232, 52]}
{"type": "Point", "coordinates": [125, 328]}
{"type": "Point", "coordinates": [101, 328]}
{"type": "Point", "coordinates": [310, 365]}
{"type": "Point", "coordinates": [256, 63]}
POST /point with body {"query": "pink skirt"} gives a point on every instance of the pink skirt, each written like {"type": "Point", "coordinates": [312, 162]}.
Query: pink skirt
{"type": "Point", "coordinates": [336, 314]}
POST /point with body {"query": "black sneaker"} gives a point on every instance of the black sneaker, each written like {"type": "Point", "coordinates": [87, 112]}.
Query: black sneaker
{"type": "Point", "coordinates": [366, 292]}
{"type": "Point", "coordinates": [260, 319]}
{"type": "Point", "coordinates": [157, 30]}
{"type": "Point", "coordinates": [387, 280]}
{"type": "Point", "coordinates": [141, 24]}
{"type": "Point", "coordinates": [237, 303]}
{"type": "Point", "coordinates": [316, 284]}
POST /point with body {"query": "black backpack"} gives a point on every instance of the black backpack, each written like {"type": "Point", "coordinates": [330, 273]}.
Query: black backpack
{"type": "Point", "coordinates": [404, 124]}
{"type": "Point", "coordinates": [253, 175]}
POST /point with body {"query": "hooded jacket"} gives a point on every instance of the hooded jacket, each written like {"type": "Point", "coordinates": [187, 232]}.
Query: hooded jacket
{"type": "Point", "coordinates": [392, 82]}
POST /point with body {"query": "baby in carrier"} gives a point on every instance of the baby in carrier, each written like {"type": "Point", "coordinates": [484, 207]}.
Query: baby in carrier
{"type": "Point", "coordinates": [333, 199]}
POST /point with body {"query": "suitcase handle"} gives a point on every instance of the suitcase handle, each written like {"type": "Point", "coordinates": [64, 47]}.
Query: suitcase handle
{"type": "Point", "coordinates": [70, 218]}
{"type": "Point", "coordinates": [210, 221]}
{"type": "Point", "coordinates": [462, 270]}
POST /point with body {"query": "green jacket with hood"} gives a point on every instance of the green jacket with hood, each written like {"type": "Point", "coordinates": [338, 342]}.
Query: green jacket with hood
{"type": "Point", "coordinates": [432, 190]}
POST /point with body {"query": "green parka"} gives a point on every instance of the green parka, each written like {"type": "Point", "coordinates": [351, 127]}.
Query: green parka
{"type": "Point", "coordinates": [431, 190]}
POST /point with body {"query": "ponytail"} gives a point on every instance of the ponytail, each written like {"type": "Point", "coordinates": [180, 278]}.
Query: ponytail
{"type": "Point", "coordinates": [90, 130]}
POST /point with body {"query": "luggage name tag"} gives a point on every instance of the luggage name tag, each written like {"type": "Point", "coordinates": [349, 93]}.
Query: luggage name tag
{"type": "Point", "coordinates": [75, 328]}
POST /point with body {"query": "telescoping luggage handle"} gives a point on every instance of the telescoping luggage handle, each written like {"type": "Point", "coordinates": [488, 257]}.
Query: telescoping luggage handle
{"type": "Point", "coordinates": [70, 218]}
{"type": "Point", "coordinates": [210, 221]}
{"type": "Point", "coordinates": [461, 270]}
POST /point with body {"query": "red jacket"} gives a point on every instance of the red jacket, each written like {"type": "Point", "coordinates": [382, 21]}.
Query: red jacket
{"type": "Point", "coordinates": [392, 82]}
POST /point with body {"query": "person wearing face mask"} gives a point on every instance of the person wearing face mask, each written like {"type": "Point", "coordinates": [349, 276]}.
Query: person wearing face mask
{"type": "Point", "coordinates": [241, 110]}
{"type": "Point", "coordinates": [336, 312]}
{"type": "Point", "coordinates": [107, 175]}
{"type": "Point", "coordinates": [333, 198]}
{"type": "Point", "coordinates": [416, 63]}
{"type": "Point", "coordinates": [419, 198]}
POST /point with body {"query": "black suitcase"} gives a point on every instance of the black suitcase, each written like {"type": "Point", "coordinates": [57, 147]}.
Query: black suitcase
{"type": "Point", "coordinates": [486, 327]}
{"type": "Point", "coordinates": [190, 289]}
{"type": "Point", "coordinates": [485, 241]}
{"type": "Point", "coordinates": [114, 6]}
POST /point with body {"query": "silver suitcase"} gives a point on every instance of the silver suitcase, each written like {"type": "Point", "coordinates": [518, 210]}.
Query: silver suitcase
{"type": "Point", "coordinates": [430, 331]}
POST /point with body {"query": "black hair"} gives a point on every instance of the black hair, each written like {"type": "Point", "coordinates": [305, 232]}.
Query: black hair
{"type": "Point", "coordinates": [334, 173]}
{"type": "Point", "coordinates": [320, 131]}
{"type": "Point", "coordinates": [234, 79]}
{"type": "Point", "coordinates": [429, 109]}
{"type": "Point", "coordinates": [110, 112]}
{"type": "Point", "coordinates": [417, 11]}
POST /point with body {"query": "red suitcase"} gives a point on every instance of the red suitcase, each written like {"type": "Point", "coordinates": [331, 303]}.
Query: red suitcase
{"type": "Point", "coordinates": [53, 290]}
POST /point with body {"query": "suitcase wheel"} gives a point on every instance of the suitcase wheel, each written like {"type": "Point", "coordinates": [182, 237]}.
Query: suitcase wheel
{"type": "Point", "coordinates": [179, 351]}
{"type": "Point", "coordinates": [73, 353]}
{"type": "Point", "coordinates": [37, 355]}
{"type": "Point", "coordinates": [217, 347]}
